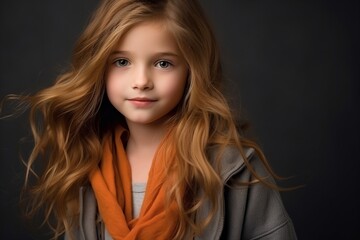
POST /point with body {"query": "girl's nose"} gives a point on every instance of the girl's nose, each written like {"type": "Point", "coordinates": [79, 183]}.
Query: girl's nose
{"type": "Point", "coordinates": [142, 79]}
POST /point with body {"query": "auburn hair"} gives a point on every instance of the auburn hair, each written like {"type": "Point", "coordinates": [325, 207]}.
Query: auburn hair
{"type": "Point", "coordinates": [69, 118]}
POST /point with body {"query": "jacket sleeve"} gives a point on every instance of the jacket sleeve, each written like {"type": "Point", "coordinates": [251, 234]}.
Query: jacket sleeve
{"type": "Point", "coordinates": [255, 212]}
{"type": "Point", "coordinates": [87, 229]}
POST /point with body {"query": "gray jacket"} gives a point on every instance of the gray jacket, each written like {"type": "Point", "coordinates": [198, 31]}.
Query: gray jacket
{"type": "Point", "coordinates": [246, 213]}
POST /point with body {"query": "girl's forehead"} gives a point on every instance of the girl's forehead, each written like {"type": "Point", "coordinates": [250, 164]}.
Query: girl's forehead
{"type": "Point", "coordinates": [148, 36]}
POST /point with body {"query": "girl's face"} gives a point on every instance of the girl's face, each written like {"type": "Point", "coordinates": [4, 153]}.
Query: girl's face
{"type": "Point", "coordinates": [146, 74]}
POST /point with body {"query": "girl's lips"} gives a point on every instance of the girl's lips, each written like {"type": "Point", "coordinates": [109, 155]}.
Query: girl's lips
{"type": "Point", "coordinates": [142, 99]}
{"type": "Point", "coordinates": [142, 102]}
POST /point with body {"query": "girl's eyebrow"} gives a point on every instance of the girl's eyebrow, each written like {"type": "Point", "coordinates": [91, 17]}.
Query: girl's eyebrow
{"type": "Point", "coordinates": [159, 54]}
{"type": "Point", "coordinates": [119, 53]}
{"type": "Point", "coordinates": [170, 54]}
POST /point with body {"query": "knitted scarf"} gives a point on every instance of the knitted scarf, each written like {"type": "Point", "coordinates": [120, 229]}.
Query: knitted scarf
{"type": "Point", "coordinates": [111, 183]}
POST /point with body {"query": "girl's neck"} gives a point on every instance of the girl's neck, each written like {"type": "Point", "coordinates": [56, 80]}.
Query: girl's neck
{"type": "Point", "coordinates": [145, 136]}
{"type": "Point", "coordinates": [141, 147]}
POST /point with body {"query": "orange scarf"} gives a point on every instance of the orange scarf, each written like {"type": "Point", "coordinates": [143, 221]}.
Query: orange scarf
{"type": "Point", "coordinates": [111, 183]}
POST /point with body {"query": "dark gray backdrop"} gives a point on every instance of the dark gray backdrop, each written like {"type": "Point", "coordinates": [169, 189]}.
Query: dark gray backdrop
{"type": "Point", "coordinates": [292, 68]}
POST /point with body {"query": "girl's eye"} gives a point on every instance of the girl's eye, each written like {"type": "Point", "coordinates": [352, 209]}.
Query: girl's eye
{"type": "Point", "coordinates": [121, 62]}
{"type": "Point", "coordinates": [163, 64]}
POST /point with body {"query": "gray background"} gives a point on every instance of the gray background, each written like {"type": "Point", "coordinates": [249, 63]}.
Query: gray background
{"type": "Point", "coordinates": [292, 70]}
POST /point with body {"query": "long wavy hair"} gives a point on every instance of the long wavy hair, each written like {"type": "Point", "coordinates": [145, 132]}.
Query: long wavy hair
{"type": "Point", "coordinates": [69, 119]}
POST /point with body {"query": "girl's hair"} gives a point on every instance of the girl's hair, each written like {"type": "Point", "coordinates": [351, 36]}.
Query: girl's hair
{"type": "Point", "coordinates": [69, 119]}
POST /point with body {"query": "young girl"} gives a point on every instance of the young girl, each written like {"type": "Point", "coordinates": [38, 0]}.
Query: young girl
{"type": "Point", "coordinates": [138, 142]}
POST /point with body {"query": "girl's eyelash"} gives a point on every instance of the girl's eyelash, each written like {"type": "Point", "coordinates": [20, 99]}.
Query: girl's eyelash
{"type": "Point", "coordinates": [121, 62]}
{"type": "Point", "coordinates": [167, 63]}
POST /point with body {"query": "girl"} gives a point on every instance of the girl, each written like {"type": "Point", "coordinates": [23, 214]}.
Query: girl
{"type": "Point", "coordinates": [139, 143]}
